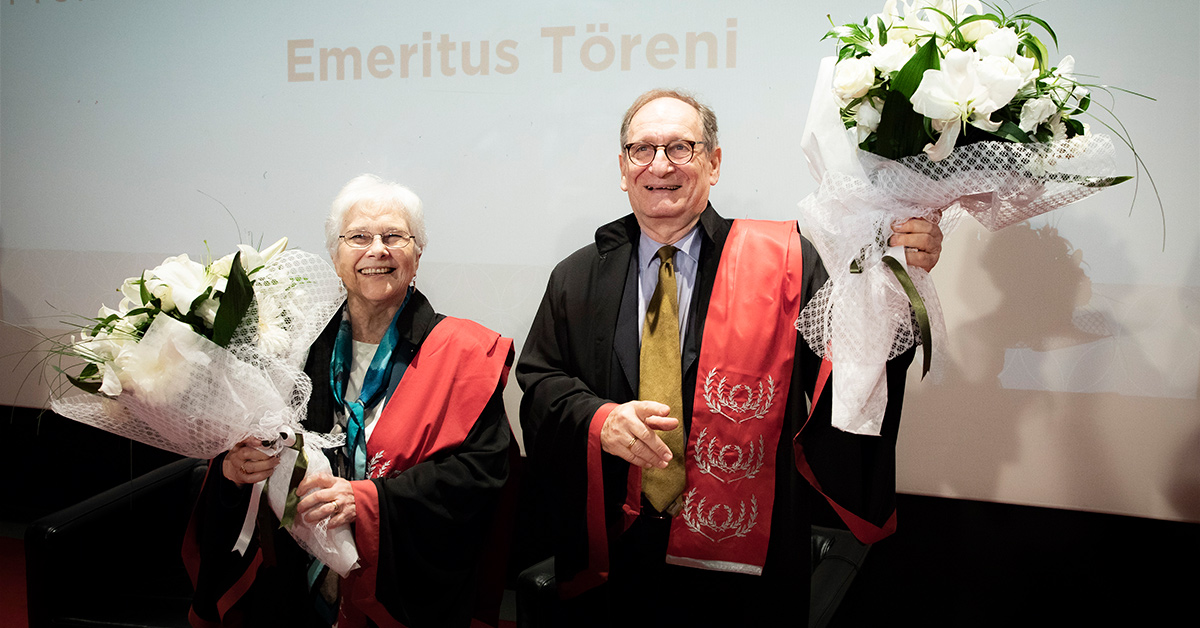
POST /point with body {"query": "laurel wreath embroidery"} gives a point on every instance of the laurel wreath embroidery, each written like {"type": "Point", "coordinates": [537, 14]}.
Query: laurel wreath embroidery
{"type": "Point", "coordinates": [711, 460]}
{"type": "Point", "coordinates": [376, 470]}
{"type": "Point", "coordinates": [756, 406]}
{"type": "Point", "coordinates": [698, 520]}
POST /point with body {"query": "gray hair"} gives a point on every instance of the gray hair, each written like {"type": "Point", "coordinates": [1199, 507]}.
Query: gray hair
{"type": "Point", "coordinates": [369, 190]}
{"type": "Point", "coordinates": [708, 119]}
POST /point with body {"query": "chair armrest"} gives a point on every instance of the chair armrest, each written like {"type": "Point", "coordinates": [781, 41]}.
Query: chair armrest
{"type": "Point", "coordinates": [537, 596]}
{"type": "Point", "coordinates": [115, 553]}
{"type": "Point", "coordinates": [837, 556]}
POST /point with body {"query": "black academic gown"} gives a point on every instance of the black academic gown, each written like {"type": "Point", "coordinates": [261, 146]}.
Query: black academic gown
{"type": "Point", "coordinates": [438, 515]}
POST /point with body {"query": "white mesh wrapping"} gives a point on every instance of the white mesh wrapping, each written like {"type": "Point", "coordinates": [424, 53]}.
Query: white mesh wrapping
{"type": "Point", "coordinates": [187, 395]}
{"type": "Point", "coordinates": [859, 321]}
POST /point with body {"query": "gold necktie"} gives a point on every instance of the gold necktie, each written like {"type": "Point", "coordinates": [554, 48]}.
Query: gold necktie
{"type": "Point", "coordinates": [660, 380]}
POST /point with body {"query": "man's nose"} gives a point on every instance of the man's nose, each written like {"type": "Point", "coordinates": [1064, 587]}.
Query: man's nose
{"type": "Point", "coordinates": [660, 163]}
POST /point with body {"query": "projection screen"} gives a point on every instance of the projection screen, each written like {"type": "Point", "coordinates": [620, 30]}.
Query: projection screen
{"type": "Point", "coordinates": [131, 131]}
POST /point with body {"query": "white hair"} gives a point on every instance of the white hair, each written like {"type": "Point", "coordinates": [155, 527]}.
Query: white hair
{"type": "Point", "coordinates": [368, 190]}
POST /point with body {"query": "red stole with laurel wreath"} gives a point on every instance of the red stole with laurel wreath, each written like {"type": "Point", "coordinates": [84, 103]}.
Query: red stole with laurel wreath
{"type": "Point", "coordinates": [738, 413]}
{"type": "Point", "coordinates": [745, 371]}
{"type": "Point", "coordinates": [438, 400]}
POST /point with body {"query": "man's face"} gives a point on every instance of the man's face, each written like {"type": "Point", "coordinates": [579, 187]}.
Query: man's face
{"type": "Point", "coordinates": [665, 196]}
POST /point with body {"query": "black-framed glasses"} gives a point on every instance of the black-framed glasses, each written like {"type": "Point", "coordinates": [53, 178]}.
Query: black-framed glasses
{"type": "Point", "coordinates": [364, 239]}
{"type": "Point", "coordinates": [678, 152]}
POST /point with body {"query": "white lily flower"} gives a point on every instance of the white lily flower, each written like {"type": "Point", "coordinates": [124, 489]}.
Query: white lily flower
{"type": "Point", "coordinates": [1026, 66]}
{"type": "Point", "coordinates": [131, 290]}
{"type": "Point", "coordinates": [156, 368]}
{"type": "Point", "coordinates": [178, 281]}
{"type": "Point", "coordinates": [889, 16]}
{"type": "Point", "coordinates": [958, 9]}
{"type": "Point", "coordinates": [110, 383]}
{"type": "Point", "coordinates": [274, 249]}
{"type": "Point", "coordinates": [963, 92]}
{"type": "Point", "coordinates": [1002, 78]}
{"type": "Point", "coordinates": [1002, 43]}
{"type": "Point", "coordinates": [977, 30]}
{"type": "Point", "coordinates": [912, 26]}
{"type": "Point", "coordinates": [221, 267]}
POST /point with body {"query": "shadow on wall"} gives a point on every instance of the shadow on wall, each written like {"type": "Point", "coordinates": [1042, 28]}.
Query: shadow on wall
{"type": "Point", "coordinates": [1032, 386]}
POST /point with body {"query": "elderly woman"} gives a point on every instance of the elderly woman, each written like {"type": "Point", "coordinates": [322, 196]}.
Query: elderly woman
{"type": "Point", "coordinates": [418, 396]}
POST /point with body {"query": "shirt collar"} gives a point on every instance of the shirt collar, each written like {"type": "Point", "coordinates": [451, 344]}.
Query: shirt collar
{"type": "Point", "coordinates": [689, 245]}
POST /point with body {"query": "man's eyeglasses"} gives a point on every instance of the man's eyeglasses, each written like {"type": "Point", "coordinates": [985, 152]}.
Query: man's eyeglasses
{"type": "Point", "coordinates": [678, 152]}
{"type": "Point", "coordinates": [363, 239]}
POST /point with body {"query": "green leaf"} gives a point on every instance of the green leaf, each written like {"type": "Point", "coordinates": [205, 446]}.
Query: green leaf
{"type": "Point", "coordinates": [1074, 127]}
{"type": "Point", "coordinates": [1084, 103]}
{"type": "Point", "coordinates": [1034, 46]}
{"type": "Point", "coordinates": [87, 387]}
{"type": "Point", "coordinates": [145, 294]}
{"type": "Point", "coordinates": [104, 324]}
{"type": "Point", "coordinates": [901, 131]}
{"type": "Point", "coordinates": [200, 299]}
{"type": "Point", "coordinates": [234, 303]}
{"type": "Point", "coordinates": [1040, 22]}
{"type": "Point", "coordinates": [1012, 133]}
{"type": "Point", "coordinates": [985, 16]}
{"type": "Point", "coordinates": [909, 78]}
{"type": "Point", "coordinates": [89, 371]}
{"type": "Point", "coordinates": [1104, 182]}
{"type": "Point", "coordinates": [882, 31]}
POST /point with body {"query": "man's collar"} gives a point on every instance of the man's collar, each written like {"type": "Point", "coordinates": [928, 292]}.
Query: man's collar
{"type": "Point", "coordinates": [625, 230]}
{"type": "Point", "coordinates": [689, 245]}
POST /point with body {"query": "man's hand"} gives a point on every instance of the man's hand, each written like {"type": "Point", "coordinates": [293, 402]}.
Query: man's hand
{"type": "Point", "coordinates": [628, 432]}
{"type": "Point", "coordinates": [922, 242]}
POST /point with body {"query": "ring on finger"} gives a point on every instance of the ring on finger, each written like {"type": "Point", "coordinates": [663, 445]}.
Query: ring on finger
{"type": "Point", "coordinates": [336, 507]}
{"type": "Point", "coordinates": [244, 471]}
{"type": "Point", "coordinates": [632, 440]}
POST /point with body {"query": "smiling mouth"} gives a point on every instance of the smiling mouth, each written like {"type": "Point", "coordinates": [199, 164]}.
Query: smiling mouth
{"type": "Point", "coordinates": [669, 188]}
{"type": "Point", "coordinates": [376, 271]}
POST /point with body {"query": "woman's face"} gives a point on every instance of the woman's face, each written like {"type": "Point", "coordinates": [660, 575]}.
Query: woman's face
{"type": "Point", "coordinates": [376, 276]}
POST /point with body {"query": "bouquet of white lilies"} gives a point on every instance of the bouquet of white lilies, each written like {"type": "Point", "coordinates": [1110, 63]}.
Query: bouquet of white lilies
{"type": "Point", "coordinates": [941, 108]}
{"type": "Point", "coordinates": [199, 357]}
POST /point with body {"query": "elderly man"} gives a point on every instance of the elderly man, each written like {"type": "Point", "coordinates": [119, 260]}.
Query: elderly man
{"type": "Point", "coordinates": [664, 382]}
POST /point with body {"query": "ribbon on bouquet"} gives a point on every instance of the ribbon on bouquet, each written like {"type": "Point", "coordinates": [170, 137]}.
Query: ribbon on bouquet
{"type": "Point", "coordinates": [299, 468]}
{"type": "Point", "coordinates": [921, 313]}
{"type": "Point", "coordinates": [289, 439]}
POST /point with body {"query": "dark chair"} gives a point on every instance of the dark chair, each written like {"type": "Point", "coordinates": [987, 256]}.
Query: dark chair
{"type": "Point", "coordinates": [836, 557]}
{"type": "Point", "coordinates": [114, 559]}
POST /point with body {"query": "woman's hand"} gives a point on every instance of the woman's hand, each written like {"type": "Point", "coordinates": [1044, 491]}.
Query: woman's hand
{"type": "Point", "coordinates": [245, 464]}
{"type": "Point", "coordinates": [326, 496]}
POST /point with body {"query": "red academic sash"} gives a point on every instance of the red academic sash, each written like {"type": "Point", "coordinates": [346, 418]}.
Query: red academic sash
{"type": "Point", "coordinates": [749, 340]}
{"type": "Point", "coordinates": [745, 371]}
{"type": "Point", "coordinates": [444, 390]}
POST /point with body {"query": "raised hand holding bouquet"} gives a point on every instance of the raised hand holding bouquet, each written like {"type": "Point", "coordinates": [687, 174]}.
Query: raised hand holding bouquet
{"type": "Point", "coordinates": [197, 358]}
{"type": "Point", "coordinates": [940, 108]}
